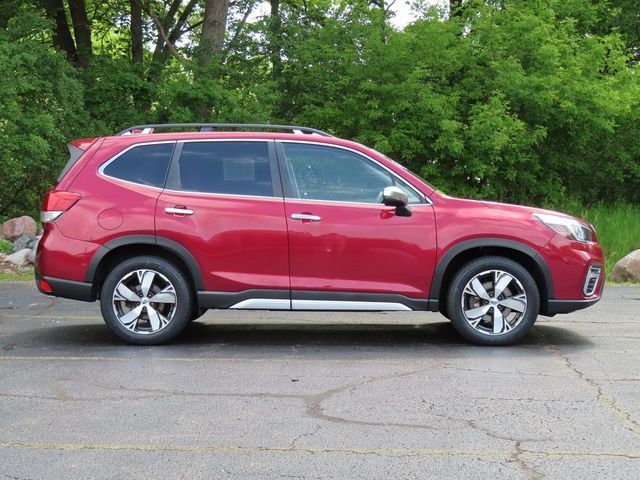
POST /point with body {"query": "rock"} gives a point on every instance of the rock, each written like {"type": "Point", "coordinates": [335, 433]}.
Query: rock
{"type": "Point", "coordinates": [19, 258]}
{"type": "Point", "coordinates": [627, 269]}
{"type": "Point", "coordinates": [31, 258]}
{"type": "Point", "coordinates": [21, 242]}
{"type": "Point", "coordinates": [15, 227]}
{"type": "Point", "coordinates": [33, 243]}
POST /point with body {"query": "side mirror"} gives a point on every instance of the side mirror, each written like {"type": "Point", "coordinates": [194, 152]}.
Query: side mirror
{"type": "Point", "coordinates": [396, 197]}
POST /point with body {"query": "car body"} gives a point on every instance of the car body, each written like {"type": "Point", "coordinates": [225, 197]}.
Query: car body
{"type": "Point", "coordinates": [298, 220]}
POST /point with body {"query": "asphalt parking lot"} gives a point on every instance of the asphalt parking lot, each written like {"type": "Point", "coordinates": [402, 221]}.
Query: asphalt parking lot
{"type": "Point", "coordinates": [317, 395]}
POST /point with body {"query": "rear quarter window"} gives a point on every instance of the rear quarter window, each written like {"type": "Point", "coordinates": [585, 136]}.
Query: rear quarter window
{"type": "Point", "coordinates": [142, 164]}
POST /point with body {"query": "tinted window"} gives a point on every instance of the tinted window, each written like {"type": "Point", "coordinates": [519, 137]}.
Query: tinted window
{"type": "Point", "coordinates": [145, 164]}
{"type": "Point", "coordinates": [329, 173]}
{"type": "Point", "coordinates": [235, 168]}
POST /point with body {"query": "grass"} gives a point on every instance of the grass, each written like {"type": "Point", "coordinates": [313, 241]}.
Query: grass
{"type": "Point", "coordinates": [28, 276]}
{"type": "Point", "coordinates": [617, 227]}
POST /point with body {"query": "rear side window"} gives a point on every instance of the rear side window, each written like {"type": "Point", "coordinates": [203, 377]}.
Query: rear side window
{"type": "Point", "coordinates": [144, 164]}
{"type": "Point", "coordinates": [234, 168]}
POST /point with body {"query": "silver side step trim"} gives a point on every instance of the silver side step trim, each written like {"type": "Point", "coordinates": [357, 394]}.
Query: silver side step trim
{"type": "Point", "coordinates": [346, 305]}
{"type": "Point", "coordinates": [332, 305]}
{"type": "Point", "coordinates": [262, 304]}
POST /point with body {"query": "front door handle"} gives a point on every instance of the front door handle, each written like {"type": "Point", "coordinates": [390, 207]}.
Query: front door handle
{"type": "Point", "coordinates": [178, 210]}
{"type": "Point", "coordinates": [306, 217]}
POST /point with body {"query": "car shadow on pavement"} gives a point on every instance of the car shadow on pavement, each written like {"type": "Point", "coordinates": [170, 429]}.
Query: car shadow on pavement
{"type": "Point", "coordinates": [285, 335]}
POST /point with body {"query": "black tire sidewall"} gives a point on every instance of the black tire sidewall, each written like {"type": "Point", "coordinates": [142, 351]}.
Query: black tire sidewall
{"type": "Point", "coordinates": [470, 270]}
{"type": "Point", "coordinates": [183, 292]}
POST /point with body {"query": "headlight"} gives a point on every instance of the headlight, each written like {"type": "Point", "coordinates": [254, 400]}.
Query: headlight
{"type": "Point", "coordinates": [566, 227]}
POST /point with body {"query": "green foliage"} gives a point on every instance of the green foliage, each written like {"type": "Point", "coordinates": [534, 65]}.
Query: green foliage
{"type": "Point", "coordinates": [41, 106]}
{"type": "Point", "coordinates": [5, 246]}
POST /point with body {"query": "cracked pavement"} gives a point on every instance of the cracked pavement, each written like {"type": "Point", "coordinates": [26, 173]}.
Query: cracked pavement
{"type": "Point", "coordinates": [261, 395]}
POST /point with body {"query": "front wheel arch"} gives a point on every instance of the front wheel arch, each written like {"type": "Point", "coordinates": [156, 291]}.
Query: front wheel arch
{"type": "Point", "coordinates": [459, 255]}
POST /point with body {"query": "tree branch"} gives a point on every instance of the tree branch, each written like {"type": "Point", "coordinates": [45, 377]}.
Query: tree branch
{"type": "Point", "coordinates": [163, 35]}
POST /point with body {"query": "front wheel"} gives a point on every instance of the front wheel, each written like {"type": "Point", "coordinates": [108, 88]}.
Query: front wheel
{"type": "Point", "coordinates": [493, 301]}
{"type": "Point", "coordinates": [146, 300]}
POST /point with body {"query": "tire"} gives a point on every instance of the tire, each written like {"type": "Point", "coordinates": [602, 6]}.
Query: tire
{"type": "Point", "coordinates": [127, 306]}
{"type": "Point", "coordinates": [481, 316]}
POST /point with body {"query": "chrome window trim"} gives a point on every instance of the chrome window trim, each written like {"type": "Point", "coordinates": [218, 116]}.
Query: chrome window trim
{"type": "Point", "coordinates": [119, 154]}
{"type": "Point", "coordinates": [232, 195]}
{"type": "Point", "coordinates": [368, 157]}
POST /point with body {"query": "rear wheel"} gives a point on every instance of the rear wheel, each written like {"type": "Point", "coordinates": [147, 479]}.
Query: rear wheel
{"type": "Point", "coordinates": [493, 301]}
{"type": "Point", "coordinates": [146, 300]}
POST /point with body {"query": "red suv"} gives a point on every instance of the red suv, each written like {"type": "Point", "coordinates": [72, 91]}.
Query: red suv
{"type": "Point", "coordinates": [161, 227]}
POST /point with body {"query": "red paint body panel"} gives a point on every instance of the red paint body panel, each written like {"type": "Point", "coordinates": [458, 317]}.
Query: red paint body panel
{"type": "Point", "coordinates": [240, 243]}
{"type": "Point", "coordinates": [61, 257]}
{"type": "Point", "coordinates": [361, 248]}
{"type": "Point", "coordinates": [568, 262]}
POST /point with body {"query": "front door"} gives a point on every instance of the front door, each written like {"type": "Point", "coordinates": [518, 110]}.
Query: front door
{"type": "Point", "coordinates": [346, 248]}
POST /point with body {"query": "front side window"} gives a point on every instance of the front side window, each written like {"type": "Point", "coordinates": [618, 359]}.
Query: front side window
{"type": "Point", "coordinates": [144, 164]}
{"type": "Point", "coordinates": [329, 173]}
{"type": "Point", "coordinates": [234, 168]}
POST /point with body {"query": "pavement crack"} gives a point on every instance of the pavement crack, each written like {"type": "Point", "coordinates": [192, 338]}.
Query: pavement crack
{"type": "Point", "coordinates": [294, 442]}
{"type": "Point", "coordinates": [527, 468]}
{"type": "Point", "coordinates": [601, 395]}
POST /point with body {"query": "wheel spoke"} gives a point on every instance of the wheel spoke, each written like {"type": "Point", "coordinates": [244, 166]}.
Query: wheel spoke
{"type": "Point", "coordinates": [478, 312]}
{"type": "Point", "coordinates": [131, 317]}
{"type": "Point", "coordinates": [502, 281]}
{"type": "Point", "coordinates": [125, 293]}
{"type": "Point", "coordinates": [476, 288]}
{"type": "Point", "coordinates": [167, 295]}
{"type": "Point", "coordinates": [498, 321]}
{"type": "Point", "coordinates": [156, 319]}
{"type": "Point", "coordinates": [517, 303]}
{"type": "Point", "coordinates": [146, 280]}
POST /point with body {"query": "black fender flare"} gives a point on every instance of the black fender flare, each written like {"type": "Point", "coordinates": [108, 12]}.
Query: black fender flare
{"type": "Point", "coordinates": [169, 245]}
{"type": "Point", "coordinates": [445, 260]}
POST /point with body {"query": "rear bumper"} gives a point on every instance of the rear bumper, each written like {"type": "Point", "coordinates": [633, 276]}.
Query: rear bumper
{"type": "Point", "coordinates": [68, 288]}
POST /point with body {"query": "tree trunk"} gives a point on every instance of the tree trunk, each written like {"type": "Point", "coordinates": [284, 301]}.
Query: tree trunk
{"type": "Point", "coordinates": [81, 30]}
{"type": "Point", "coordinates": [62, 38]}
{"type": "Point", "coordinates": [136, 34]}
{"type": "Point", "coordinates": [213, 30]}
{"type": "Point", "coordinates": [275, 47]}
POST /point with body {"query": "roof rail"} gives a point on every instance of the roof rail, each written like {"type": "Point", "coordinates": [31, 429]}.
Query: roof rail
{"type": "Point", "coordinates": [211, 127]}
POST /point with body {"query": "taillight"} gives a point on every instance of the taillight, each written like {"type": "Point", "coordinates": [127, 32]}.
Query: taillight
{"type": "Point", "coordinates": [55, 203]}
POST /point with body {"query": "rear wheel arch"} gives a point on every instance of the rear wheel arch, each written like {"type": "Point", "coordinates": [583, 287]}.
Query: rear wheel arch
{"type": "Point", "coordinates": [120, 249]}
{"type": "Point", "coordinates": [461, 254]}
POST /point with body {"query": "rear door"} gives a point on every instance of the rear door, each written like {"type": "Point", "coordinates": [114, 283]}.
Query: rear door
{"type": "Point", "coordinates": [223, 202]}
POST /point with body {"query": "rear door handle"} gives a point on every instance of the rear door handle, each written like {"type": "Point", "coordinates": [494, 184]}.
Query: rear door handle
{"type": "Point", "coordinates": [178, 211]}
{"type": "Point", "coordinates": [306, 217]}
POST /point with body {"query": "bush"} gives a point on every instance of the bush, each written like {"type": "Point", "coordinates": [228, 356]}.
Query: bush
{"type": "Point", "coordinates": [5, 246]}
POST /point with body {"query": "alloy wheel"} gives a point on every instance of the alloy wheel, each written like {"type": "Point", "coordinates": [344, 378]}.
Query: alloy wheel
{"type": "Point", "coordinates": [494, 302]}
{"type": "Point", "coordinates": [144, 301]}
